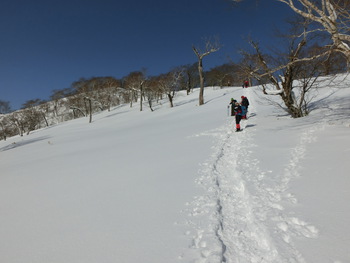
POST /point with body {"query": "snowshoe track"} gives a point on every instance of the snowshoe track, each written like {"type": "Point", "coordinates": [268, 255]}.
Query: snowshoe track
{"type": "Point", "coordinates": [240, 214]}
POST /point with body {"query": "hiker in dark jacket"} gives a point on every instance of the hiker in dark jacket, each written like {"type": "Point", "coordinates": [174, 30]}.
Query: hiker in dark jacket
{"type": "Point", "coordinates": [245, 102]}
{"type": "Point", "coordinates": [232, 104]}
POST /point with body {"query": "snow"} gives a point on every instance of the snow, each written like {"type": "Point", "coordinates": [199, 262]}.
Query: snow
{"type": "Point", "coordinates": [274, 92]}
{"type": "Point", "coordinates": [179, 185]}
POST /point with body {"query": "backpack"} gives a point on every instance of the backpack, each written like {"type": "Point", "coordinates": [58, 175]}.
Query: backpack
{"type": "Point", "coordinates": [245, 101]}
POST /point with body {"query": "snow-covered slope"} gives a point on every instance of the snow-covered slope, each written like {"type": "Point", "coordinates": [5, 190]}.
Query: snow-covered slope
{"type": "Point", "coordinates": [179, 185]}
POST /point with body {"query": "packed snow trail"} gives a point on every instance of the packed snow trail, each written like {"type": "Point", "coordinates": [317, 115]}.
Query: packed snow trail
{"type": "Point", "coordinates": [246, 222]}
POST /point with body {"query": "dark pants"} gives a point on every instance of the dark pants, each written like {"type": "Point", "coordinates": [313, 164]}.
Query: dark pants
{"type": "Point", "coordinates": [238, 118]}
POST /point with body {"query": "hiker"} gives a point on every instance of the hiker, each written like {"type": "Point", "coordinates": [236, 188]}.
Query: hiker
{"type": "Point", "coordinates": [232, 104]}
{"type": "Point", "coordinates": [245, 104]}
{"type": "Point", "coordinates": [244, 112]}
{"type": "Point", "coordinates": [238, 115]}
{"type": "Point", "coordinates": [246, 84]}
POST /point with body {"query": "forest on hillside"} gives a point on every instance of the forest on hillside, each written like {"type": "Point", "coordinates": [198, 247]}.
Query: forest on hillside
{"type": "Point", "coordinates": [316, 45]}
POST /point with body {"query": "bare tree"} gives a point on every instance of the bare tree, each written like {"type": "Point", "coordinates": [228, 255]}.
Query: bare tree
{"type": "Point", "coordinates": [332, 16]}
{"type": "Point", "coordinates": [293, 81]}
{"type": "Point", "coordinates": [210, 47]}
{"type": "Point", "coordinates": [83, 90]}
{"type": "Point", "coordinates": [329, 16]}
{"type": "Point", "coordinates": [134, 83]}
{"type": "Point", "coordinates": [5, 130]}
{"type": "Point", "coordinates": [333, 64]}
{"type": "Point", "coordinates": [150, 88]}
{"type": "Point", "coordinates": [4, 107]}
{"type": "Point", "coordinates": [224, 75]}
{"type": "Point", "coordinates": [33, 112]}
{"type": "Point", "coordinates": [87, 96]}
{"type": "Point", "coordinates": [189, 79]}
{"type": "Point", "coordinates": [109, 95]}
{"type": "Point", "coordinates": [58, 99]}
{"type": "Point", "coordinates": [16, 119]}
{"type": "Point", "coordinates": [170, 83]}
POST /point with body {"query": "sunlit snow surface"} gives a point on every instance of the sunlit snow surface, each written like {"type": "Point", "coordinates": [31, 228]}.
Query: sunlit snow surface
{"type": "Point", "coordinates": [180, 185]}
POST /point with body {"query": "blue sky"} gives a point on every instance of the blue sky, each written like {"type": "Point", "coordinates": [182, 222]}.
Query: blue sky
{"type": "Point", "coordinates": [47, 45]}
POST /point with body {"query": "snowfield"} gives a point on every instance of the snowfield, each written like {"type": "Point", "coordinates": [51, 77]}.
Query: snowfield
{"type": "Point", "coordinates": [179, 185]}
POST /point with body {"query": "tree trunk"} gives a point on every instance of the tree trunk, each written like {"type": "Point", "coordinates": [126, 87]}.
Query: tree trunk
{"type": "Point", "coordinates": [170, 100]}
{"type": "Point", "coordinates": [90, 109]}
{"type": "Point", "coordinates": [210, 48]}
{"type": "Point", "coordinates": [3, 131]}
{"type": "Point", "coordinates": [132, 98]}
{"type": "Point", "coordinates": [141, 97]}
{"type": "Point", "coordinates": [201, 81]}
{"type": "Point", "coordinates": [150, 104]}
{"type": "Point", "coordinates": [188, 89]}
{"type": "Point", "coordinates": [44, 116]}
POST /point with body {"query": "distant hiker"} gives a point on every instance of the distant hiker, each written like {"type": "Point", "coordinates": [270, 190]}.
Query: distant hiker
{"type": "Point", "coordinates": [245, 104]}
{"type": "Point", "coordinates": [232, 104]}
{"type": "Point", "coordinates": [238, 115]}
{"type": "Point", "coordinates": [246, 84]}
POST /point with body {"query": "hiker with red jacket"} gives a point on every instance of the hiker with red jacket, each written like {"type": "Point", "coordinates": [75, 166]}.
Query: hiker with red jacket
{"type": "Point", "coordinates": [246, 84]}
